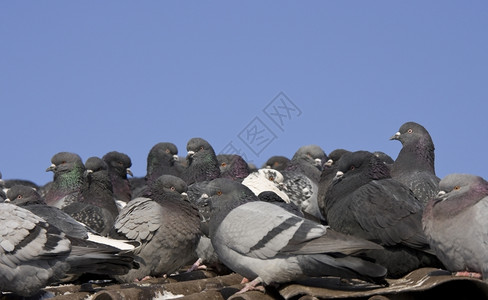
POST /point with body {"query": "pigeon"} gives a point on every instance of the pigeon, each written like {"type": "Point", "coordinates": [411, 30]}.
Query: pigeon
{"type": "Point", "coordinates": [267, 244]}
{"type": "Point", "coordinates": [456, 225]}
{"type": "Point", "coordinates": [166, 225]}
{"type": "Point", "coordinates": [28, 198]}
{"type": "Point", "coordinates": [272, 197]}
{"type": "Point", "coordinates": [163, 159]}
{"type": "Point", "coordinates": [364, 201]}
{"type": "Point", "coordinates": [95, 206]}
{"type": "Point", "coordinates": [34, 254]}
{"type": "Point", "coordinates": [202, 162]}
{"type": "Point", "coordinates": [277, 162]}
{"type": "Point", "coordinates": [266, 180]}
{"type": "Point", "coordinates": [329, 171]}
{"type": "Point", "coordinates": [203, 166]}
{"type": "Point", "coordinates": [233, 166]}
{"type": "Point", "coordinates": [414, 165]}
{"type": "Point", "coordinates": [301, 179]}
{"type": "Point", "coordinates": [118, 168]}
{"type": "Point", "coordinates": [68, 180]}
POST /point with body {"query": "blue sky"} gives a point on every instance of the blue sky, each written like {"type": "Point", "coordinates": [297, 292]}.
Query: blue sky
{"type": "Point", "coordinates": [91, 77]}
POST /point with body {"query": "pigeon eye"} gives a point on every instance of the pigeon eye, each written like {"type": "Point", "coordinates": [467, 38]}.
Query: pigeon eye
{"type": "Point", "coordinates": [167, 151]}
{"type": "Point", "coordinates": [172, 188]}
{"type": "Point", "coordinates": [201, 148]}
{"type": "Point", "coordinates": [223, 164]}
{"type": "Point", "coordinates": [219, 193]}
{"type": "Point", "coordinates": [271, 178]}
{"type": "Point", "coordinates": [457, 187]}
{"type": "Point", "coordinates": [20, 197]}
{"type": "Point", "coordinates": [352, 168]}
{"type": "Point", "coordinates": [410, 130]}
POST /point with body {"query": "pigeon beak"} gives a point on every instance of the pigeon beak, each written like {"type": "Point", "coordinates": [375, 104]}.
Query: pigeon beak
{"type": "Point", "coordinates": [318, 162]}
{"type": "Point", "coordinates": [185, 196]}
{"type": "Point", "coordinates": [396, 136]}
{"type": "Point", "coordinates": [129, 172]}
{"type": "Point", "coordinates": [7, 200]}
{"type": "Point", "coordinates": [329, 163]}
{"type": "Point", "coordinates": [88, 172]}
{"type": "Point", "coordinates": [175, 157]}
{"type": "Point", "coordinates": [338, 175]}
{"type": "Point", "coordinates": [441, 194]}
{"type": "Point", "coordinates": [51, 168]}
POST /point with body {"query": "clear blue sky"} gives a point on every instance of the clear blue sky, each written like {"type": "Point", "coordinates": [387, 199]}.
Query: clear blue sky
{"type": "Point", "coordinates": [95, 76]}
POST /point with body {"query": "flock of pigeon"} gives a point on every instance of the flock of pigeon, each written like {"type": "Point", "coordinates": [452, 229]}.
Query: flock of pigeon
{"type": "Point", "coordinates": [350, 214]}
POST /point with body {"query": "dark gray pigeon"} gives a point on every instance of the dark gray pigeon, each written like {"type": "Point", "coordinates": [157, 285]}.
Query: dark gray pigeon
{"type": "Point", "coordinates": [277, 162]}
{"type": "Point", "coordinates": [202, 162]}
{"type": "Point", "coordinates": [167, 226]}
{"type": "Point", "coordinates": [414, 165]}
{"type": "Point", "coordinates": [118, 168]}
{"type": "Point", "coordinates": [233, 166]}
{"type": "Point", "coordinates": [366, 202]}
{"type": "Point", "coordinates": [34, 254]}
{"type": "Point", "coordinates": [302, 176]}
{"type": "Point", "coordinates": [68, 180]}
{"type": "Point", "coordinates": [329, 171]}
{"type": "Point", "coordinates": [267, 244]}
{"type": "Point", "coordinates": [456, 224]}
{"type": "Point", "coordinates": [163, 159]}
{"type": "Point", "coordinates": [96, 206]}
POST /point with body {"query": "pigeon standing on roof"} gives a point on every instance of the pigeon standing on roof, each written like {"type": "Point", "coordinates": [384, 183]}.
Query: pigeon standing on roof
{"type": "Point", "coordinates": [366, 202]}
{"type": "Point", "coordinates": [267, 244]}
{"type": "Point", "coordinates": [414, 165]}
{"type": "Point", "coordinates": [456, 225]}
{"type": "Point", "coordinates": [96, 206]}
{"type": "Point", "coordinates": [301, 179]}
{"type": "Point", "coordinates": [34, 254]}
{"type": "Point", "coordinates": [68, 179]}
{"type": "Point", "coordinates": [166, 225]}
{"type": "Point", "coordinates": [118, 168]}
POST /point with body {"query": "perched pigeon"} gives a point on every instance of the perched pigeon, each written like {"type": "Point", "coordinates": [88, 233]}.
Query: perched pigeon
{"type": "Point", "coordinates": [167, 226]}
{"type": "Point", "coordinates": [456, 224]}
{"type": "Point", "coordinates": [266, 180]}
{"type": "Point", "coordinates": [203, 166]}
{"type": "Point", "coordinates": [302, 177]}
{"type": "Point", "coordinates": [28, 198]}
{"type": "Point", "coordinates": [329, 171]}
{"type": "Point", "coordinates": [414, 165]}
{"type": "Point", "coordinates": [202, 162]}
{"type": "Point", "coordinates": [366, 202]}
{"type": "Point", "coordinates": [34, 254]}
{"type": "Point", "coordinates": [277, 162]}
{"type": "Point", "coordinates": [233, 166]}
{"type": "Point", "coordinates": [264, 242]}
{"type": "Point", "coordinates": [118, 168]}
{"type": "Point", "coordinates": [68, 180]}
{"type": "Point", "coordinates": [96, 206]}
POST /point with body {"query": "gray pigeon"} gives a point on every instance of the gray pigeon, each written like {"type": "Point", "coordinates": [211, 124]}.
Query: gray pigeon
{"type": "Point", "coordinates": [302, 176]}
{"type": "Point", "coordinates": [95, 206]}
{"type": "Point", "coordinates": [414, 166]}
{"type": "Point", "coordinates": [34, 254]}
{"type": "Point", "coordinates": [167, 226]}
{"type": "Point", "coordinates": [68, 180]}
{"type": "Point", "coordinates": [456, 223]}
{"type": "Point", "coordinates": [366, 202]}
{"type": "Point", "coordinates": [267, 244]}
{"type": "Point", "coordinates": [118, 168]}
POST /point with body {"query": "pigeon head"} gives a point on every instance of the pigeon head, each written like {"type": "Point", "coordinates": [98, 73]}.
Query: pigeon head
{"type": "Point", "coordinates": [202, 162]}
{"type": "Point", "coordinates": [277, 162]}
{"type": "Point", "coordinates": [119, 163]}
{"type": "Point", "coordinates": [64, 162]}
{"type": "Point", "coordinates": [232, 166]}
{"type": "Point", "coordinates": [361, 164]}
{"type": "Point", "coordinates": [170, 184]}
{"type": "Point", "coordinates": [310, 154]}
{"type": "Point", "coordinates": [22, 195]}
